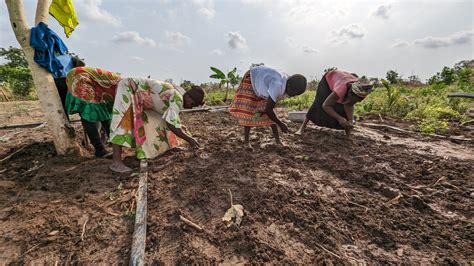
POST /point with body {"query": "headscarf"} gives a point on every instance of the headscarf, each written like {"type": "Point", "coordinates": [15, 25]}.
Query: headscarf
{"type": "Point", "coordinates": [362, 88]}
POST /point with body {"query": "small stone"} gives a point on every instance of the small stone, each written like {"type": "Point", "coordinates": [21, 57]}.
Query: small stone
{"type": "Point", "coordinates": [53, 233]}
{"type": "Point", "coordinates": [400, 252]}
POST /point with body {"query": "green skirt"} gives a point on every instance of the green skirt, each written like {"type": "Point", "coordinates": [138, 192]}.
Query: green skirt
{"type": "Point", "coordinates": [92, 112]}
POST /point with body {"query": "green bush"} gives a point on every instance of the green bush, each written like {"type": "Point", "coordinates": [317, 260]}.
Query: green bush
{"type": "Point", "coordinates": [216, 97]}
{"type": "Point", "coordinates": [428, 106]}
{"type": "Point", "coordinates": [18, 78]}
{"type": "Point", "coordinates": [300, 102]}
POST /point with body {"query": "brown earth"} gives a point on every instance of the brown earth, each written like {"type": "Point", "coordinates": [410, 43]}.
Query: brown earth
{"type": "Point", "coordinates": [382, 197]}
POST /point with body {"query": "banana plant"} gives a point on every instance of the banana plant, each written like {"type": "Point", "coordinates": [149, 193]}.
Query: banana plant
{"type": "Point", "coordinates": [232, 78]}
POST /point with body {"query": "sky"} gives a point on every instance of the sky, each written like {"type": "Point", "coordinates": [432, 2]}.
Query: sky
{"type": "Point", "coordinates": [181, 39]}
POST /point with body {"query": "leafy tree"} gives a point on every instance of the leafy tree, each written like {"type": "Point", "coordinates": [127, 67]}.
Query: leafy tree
{"type": "Point", "coordinates": [448, 76]}
{"type": "Point", "coordinates": [464, 75]}
{"type": "Point", "coordinates": [313, 85]}
{"type": "Point", "coordinates": [186, 84]}
{"type": "Point", "coordinates": [14, 56]}
{"type": "Point", "coordinates": [232, 78]}
{"type": "Point", "coordinates": [392, 76]}
{"type": "Point", "coordinates": [15, 71]}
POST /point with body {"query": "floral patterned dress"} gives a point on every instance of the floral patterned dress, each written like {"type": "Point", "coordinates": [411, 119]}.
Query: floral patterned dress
{"type": "Point", "coordinates": [141, 111]}
{"type": "Point", "coordinates": [91, 93]}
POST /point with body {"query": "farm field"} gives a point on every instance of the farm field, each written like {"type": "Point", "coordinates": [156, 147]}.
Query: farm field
{"type": "Point", "coordinates": [381, 197]}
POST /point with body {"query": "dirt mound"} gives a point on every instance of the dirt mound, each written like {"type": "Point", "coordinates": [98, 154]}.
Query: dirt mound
{"type": "Point", "coordinates": [321, 199]}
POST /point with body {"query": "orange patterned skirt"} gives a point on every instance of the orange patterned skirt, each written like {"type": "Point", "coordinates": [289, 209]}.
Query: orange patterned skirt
{"type": "Point", "coordinates": [247, 107]}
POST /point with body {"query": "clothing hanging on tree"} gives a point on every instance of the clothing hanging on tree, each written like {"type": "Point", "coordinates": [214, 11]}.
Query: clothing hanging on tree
{"type": "Point", "coordinates": [63, 11]}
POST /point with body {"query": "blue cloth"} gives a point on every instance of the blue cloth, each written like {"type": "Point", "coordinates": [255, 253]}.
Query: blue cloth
{"type": "Point", "coordinates": [48, 47]}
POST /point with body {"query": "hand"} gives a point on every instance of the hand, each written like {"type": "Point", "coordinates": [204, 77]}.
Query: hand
{"type": "Point", "coordinates": [194, 144]}
{"type": "Point", "coordinates": [348, 132]}
{"type": "Point", "coordinates": [344, 123]}
{"type": "Point", "coordinates": [283, 127]}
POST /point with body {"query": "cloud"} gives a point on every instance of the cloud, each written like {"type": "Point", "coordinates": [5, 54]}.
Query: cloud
{"type": "Point", "coordinates": [91, 10]}
{"type": "Point", "coordinates": [236, 40]}
{"type": "Point", "coordinates": [400, 43]}
{"type": "Point", "coordinates": [430, 42]}
{"type": "Point", "coordinates": [310, 50]}
{"type": "Point", "coordinates": [457, 38]}
{"type": "Point", "coordinates": [176, 40]}
{"type": "Point", "coordinates": [346, 33]}
{"type": "Point", "coordinates": [217, 52]}
{"type": "Point", "coordinates": [205, 8]}
{"type": "Point", "coordinates": [133, 37]}
{"type": "Point", "coordinates": [382, 11]}
{"type": "Point", "coordinates": [137, 58]}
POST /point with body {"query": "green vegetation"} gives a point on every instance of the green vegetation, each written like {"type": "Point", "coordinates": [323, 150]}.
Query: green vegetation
{"type": "Point", "coordinates": [232, 79]}
{"type": "Point", "coordinates": [16, 82]}
{"type": "Point", "coordinates": [428, 106]}
{"type": "Point", "coordinates": [299, 102]}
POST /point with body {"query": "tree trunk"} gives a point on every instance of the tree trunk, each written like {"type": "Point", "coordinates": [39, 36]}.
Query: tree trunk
{"type": "Point", "coordinates": [226, 92]}
{"type": "Point", "coordinates": [61, 131]}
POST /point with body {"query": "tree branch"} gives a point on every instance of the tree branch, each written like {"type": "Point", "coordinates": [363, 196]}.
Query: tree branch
{"type": "Point", "coordinates": [42, 12]}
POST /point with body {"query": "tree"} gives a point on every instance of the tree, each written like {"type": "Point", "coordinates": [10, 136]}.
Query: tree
{"type": "Point", "coordinates": [61, 131]}
{"type": "Point", "coordinates": [232, 78]}
{"type": "Point", "coordinates": [414, 80]}
{"type": "Point", "coordinates": [312, 85]}
{"type": "Point", "coordinates": [392, 77]}
{"type": "Point", "coordinates": [16, 72]}
{"type": "Point", "coordinates": [447, 75]}
{"type": "Point", "coordinates": [186, 84]}
{"type": "Point", "coordinates": [14, 56]}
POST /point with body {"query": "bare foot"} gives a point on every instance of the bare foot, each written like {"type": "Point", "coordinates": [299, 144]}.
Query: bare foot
{"type": "Point", "coordinates": [299, 132]}
{"type": "Point", "coordinates": [120, 168]}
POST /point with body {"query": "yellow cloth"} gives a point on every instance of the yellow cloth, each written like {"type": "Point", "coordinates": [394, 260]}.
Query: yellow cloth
{"type": "Point", "coordinates": [63, 11]}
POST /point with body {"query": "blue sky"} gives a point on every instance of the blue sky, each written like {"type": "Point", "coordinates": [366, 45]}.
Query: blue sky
{"type": "Point", "coordinates": [180, 39]}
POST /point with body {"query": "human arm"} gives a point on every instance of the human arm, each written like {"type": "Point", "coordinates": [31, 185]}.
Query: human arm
{"type": "Point", "coordinates": [271, 114]}
{"type": "Point", "coordinates": [180, 133]}
{"type": "Point", "coordinates": [349, 110]}
{"type": "Point", "coordinates": [328, 107]}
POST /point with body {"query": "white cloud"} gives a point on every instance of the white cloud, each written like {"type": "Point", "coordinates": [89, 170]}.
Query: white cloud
{"type": "Point", "coordinates": [176, 40]}
{"type": "Point", "coordinates": [217, 52]}
{"type": "Point", "coordinates": [382, 11]}
{"type": "Point", "coordinates": [132, 37]}
{"type": "Point", "coordinates": [137, 58]}
{"type": "Point", "coordinates": [93, 11]}
{"type": "Point", "coordinates": [346, 33]}
{"type": "Point", "coordinates": [205, 8]}
{"type": "Point", "coordinates": [457, 38]}
{"type": "Point", "coordinates": [400, 43]}
{"type": "Point", "coordinates": [430, 42]}
{"type": "Point", "coordinates": [310, 50]}
{"type": "Point", "coordinates": [236, 40]}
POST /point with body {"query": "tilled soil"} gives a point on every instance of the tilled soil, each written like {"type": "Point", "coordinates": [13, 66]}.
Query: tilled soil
{"type": "Point", "coordinates": [379, 197]}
